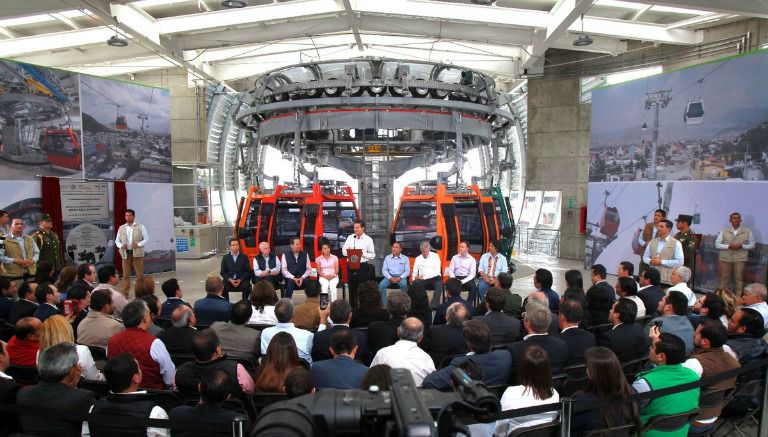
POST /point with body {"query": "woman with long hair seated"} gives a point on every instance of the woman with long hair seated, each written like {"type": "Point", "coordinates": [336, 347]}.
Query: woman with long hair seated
{"type": "Point", "coordinates": [57, 329]}
{"type": "Point", "coordinates": [263, 300]}
{"type": "Point", "coordinates": [535, 376]}
{"type": "Point", "coordinates": [369, 309]}
{"type": "Point", "coordinates": [606, 383]}
{"type": "Point", "coordinates": [282, 357]}
{"type": "Point", "coordinates": [575, 288]}
{"type": "Point", "coordinates": [420, 304]}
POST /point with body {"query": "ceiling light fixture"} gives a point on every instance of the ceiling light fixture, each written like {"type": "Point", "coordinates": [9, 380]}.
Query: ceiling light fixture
{"type": "Point", "coordinates": [234, 3]}
{"type": "Point", "coordinates": [116, 41]}
{"type": "Point", "coordinates": [484, 2]}
{"type": "Point", "coordinates": [582, 40]}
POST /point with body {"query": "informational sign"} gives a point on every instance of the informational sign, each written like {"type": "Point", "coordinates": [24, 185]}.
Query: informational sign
{"type": "Point", "coordinates": [86, 243]}
{"type": "Point", "coordinates": [84, 201]}
{"type": "Point", "coordinates": [571, 202]}
{"type": "Point", "coordinates": [182, 244]}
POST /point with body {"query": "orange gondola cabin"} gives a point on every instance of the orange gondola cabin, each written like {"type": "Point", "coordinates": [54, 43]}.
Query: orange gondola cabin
{"type": "Point", "coordinates": [62, 148]}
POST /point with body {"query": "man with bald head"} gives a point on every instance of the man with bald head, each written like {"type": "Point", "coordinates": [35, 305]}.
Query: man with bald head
{"type": "Point", "coordinates": [178, 338]}
{"type": "Point", "coordinates": [23, 347]}
{"type": "Point", "coordinates": [405, 353]}
{"type": "Point", "coordinates": [266, 266]}
{"type": "Point", "coordinates": [446, 340]}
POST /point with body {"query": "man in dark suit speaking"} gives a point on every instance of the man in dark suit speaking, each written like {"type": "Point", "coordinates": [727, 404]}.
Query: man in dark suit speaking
{"type": "Point", "coordinates": [236, 271]}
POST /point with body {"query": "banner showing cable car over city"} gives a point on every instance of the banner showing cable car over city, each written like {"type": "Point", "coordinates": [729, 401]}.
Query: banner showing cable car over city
{"type": "Point", "coordinates": [691, 142]}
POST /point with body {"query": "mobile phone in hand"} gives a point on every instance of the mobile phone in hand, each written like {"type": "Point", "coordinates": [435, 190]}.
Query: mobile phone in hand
{"type": "Point", "coordinates": [658, 323]}
{"type": "Point", "coordinates": [324, 301]}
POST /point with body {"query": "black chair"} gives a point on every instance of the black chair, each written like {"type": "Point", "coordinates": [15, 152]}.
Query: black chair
{"type": "Point", "coordinates": [670, 422]}
{"type": "Point", "coordinates": [616, 431]}
{"type": "Point", "coordinates": [642, 320]}
{"type": "Point", "coordinates": [559, 381]}
{"type": "Point", "coordinates": [7, 331]}
{"type": "Point", "coordinates": [99, 388]}
{"type": "Point", "coordinates": [23, 375]}
{"type": "Point", "coordinates": [238, 406]}
{"type": "Point", "coordinates": [498, 389]}
{"type": "Point", "coordinates": [179, 359]}
{"type": "Point", "coordinates": [261, 400]}
{"type": "Point", "coordinates": [598, 330]}
{"type": "Point", "coordinates": [164, 322]}
{"type": "Point", "coordinates": [550, 429]}
{"type": "Point", "coordinates": [200, 327]}
{"type": "Point", "coordinates": [633, 367]}
{"type": "Point", "coordinates": [447, 360]}
{"type": "Point", "coordinates": [98, 353]}
{"type": "Point", "coordinates": [738, 408]}
{"type": "Point", "coordinates": [259, 327]}
{"type": "Point", "coordinates": [165, 399]}
{"type": "Point", "coordinates": [714, 398]}
{"type": "Point", "coordinates": [250, 365]}
{"type": "Point", "coordinates": [577, 379]}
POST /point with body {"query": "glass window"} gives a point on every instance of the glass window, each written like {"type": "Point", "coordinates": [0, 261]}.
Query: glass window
{"type": "Point", "coordinates": [470, 225]}
{"type": "Point", "coordinates": [416, 222]}
{"type": "Point", "coordinates": [338, 223]}
{"type": "Point", "coordinates": [251, 222]}
{"type": "Point", "coordinates": [287, 224]}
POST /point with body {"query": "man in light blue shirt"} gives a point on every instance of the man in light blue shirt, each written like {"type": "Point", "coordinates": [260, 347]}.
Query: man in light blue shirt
{"type": "Point", "coordinates": [303, 338]}
{"type": "Point", "coordinates": [492, 263]}
{"type": "Point", "coordinates": [396, 269]}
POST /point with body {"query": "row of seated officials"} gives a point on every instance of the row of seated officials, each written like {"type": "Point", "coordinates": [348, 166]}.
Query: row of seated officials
{"type": "Point", "coordinates": [401, 341]}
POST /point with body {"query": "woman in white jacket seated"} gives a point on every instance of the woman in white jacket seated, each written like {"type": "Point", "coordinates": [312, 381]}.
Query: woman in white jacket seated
{"type": "Point", "coordinates": [57, 329]}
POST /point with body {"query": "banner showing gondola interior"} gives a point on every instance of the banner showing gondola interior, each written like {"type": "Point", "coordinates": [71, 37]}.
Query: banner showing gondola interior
{"type": "Point", "coordinates": [692, 142]}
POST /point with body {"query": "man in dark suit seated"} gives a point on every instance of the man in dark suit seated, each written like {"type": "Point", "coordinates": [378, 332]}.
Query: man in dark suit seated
{"type": "Point", "coordinates": [340, 313]}
{"type": "Point", "coordinates": [447, 340]}
{"type": "Point", "coordinates": [7, 295]}
{"type": "Point", "coordinates": [542, 280]}
{"type": "Point", "coordinates": [383, 334]}
{"type": "Point", "coordinates": [626, 339]}
{"type": "Point", "coordinates": [650, 291]}
{"type": "Point", "coordinates": [600, 297]}
{"type": "Point", "coordinates": [213, 307]}
{"type": "Point", "coordinates": [59, 374]}
{"type": "Point", "coordinates": [178, 338]}
{"type": "Point", "coordinates": [215, 388]}
{"type": "Point", "coordinates": [537, 320]}
{"type": "Point", "coordinates": [577, 339]}
{"type": "Point", "coordinates": [495, 364]}
{"type": "Point", "coordinates": [453, 288]}
{"type": "Point", "coordinates": [342, 371]}
{"type": "Point", "coordinates": [505, 329]}
{"type": "Point", "coordinates": [173, 294]}
{"type": "Point", "coordinates": [26, 305]}
{"type": "Point", "coordinates": [236, 271]}
{"type": "Point", "coordinates": [48, 297]}
{"type": "Point", "coordinates": [9, 422]}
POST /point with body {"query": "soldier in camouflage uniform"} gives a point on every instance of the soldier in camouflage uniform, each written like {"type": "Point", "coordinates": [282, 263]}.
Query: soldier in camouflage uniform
{"type": "Point", "coordinates": [687, 238]}
{"type": "Point", "coordinates": [48, 242]}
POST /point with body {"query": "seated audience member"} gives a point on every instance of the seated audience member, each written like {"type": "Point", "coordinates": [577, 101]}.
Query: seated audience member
{"type": "Point", "coordinates": [237, 340]}
{"type": "Point", "coordinates": [384, 333]}
{"type": "Point", "coordinates": [542, 280]}
{"type": "Point", "coordinates": [453, 290]}
{"type": "Point", "coordinates": [99, 325]}
{"type": "Point", "coordinates": [7, 296]}
{"type": "Point", "coordinates": [379, 376]}
{"type": "Point", "coordinates": [405, 353]}
{"type": "Point", "coordinates": [420, 304]}
{"type": "Point", "coordinates": [178, 338]}
{"type": "Point", "coordinates": [281, 357]}
{"type": "Point", "coordinates": [125, 399]}
{"type": "Point", "coordinates": [535, 377]}
{"type": "Point", "coordinates": [745, 336]}
{"type": "Point", "coordinates": [626, 338]}
{"type": "Point", "coordinates": [446, 340]}
{"type": "Point", "coordinates": [303, 338]}
{"type": "Point", "coordinates": [606, 383]}
{"type": "Point", "coordinates": [673, 309]}
{"type": "Point", "coordinates": [157, 369]}
{"type": "Point", "coordinates": [81, 295]}
{"type": "Point", "coordinates": [213, 307]}
{"type": "Point", "coordinates": [9, 422]}
{"type": "Point", "coordinates": [395, 271]}
{"type": "Point", "coordinates": [215, 388]}
{"type": "Point", "coordinates": [208, 356]}
{"type": "Point", "coordinates": [144, 286]}
{"type": "Point", "coordinates": [56, 329]}
{"type": "Point", "coordinates": [173, 297]}
{"type": "Point", "coordinates": [59, 374]}
{"type": "Point", "coordinates": [600, 297]}
{"type": "Point", "coordinates": [513, 302]}
{"type": "Point", "coordinates": [340, 312]}
{"type": "Point", "coordinates": [650, 289]}
{"type": "Point", "coordinates": [536, 321]}
{"type": "Point", "coordinates": [626, 270]}
{"type": "Point", "coordinates": [342, 371]}
{"type": "Point", "coordinates": [709, 306]}
{"type": "Point", "coordinates": [709, 359]}
{"type": "Point", "coordinates": [731, 303]}
{"type": "Point", "coordinates": [504, 328]}
{"type": "Point", "coordinates": [307, 315]}
{"type": "Point", "coordinates": [108, 280]}
{"type": "Point", "coordinates": [48, 297]}
{"type": "Point", "coordinates": [369, 306]}
{"type": "Point", "coordinates": [575, 290]}
{"type": "Point", "coordinates": [66, 278]}
{"type": "Point", "coordinates": [299, 382]}
{"type": "Point", "coordinates": [23, 346]}
{"type": "Point", "coordinates": [427, 269]}
{"type": "Point", "coordinates": [577, 339]}
{"type": "Point", "coordinates": [627, 288]}
{"type": "Point", "coordinates": [679, 278]}
{"type": "Point", "coordinates": [754, 297]}
{"type": "Point", "coordinates": [495, 365]}
{"type": "Point", "coordinates": [540, 297]}
{"type": "Point", "coordinates": [153, 303]}
{"type": "Point", "coordinates": [26, 305]}
{"type": "Point", "coordinates": [667, 352]}
{"type": "Point", "coordinates": [263, 301]}
{"type": "Point", "coordinates": [86, 274]}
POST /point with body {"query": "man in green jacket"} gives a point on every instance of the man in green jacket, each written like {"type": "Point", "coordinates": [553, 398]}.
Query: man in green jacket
{"type": "Point", "coordinates": [667, 352]}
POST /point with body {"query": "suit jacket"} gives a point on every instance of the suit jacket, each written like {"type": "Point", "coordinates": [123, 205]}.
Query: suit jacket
{"type": "Point", "coordinates": [178, 340]}
{"type": "Point", "coordinates": [340, 372]}
{"type": "Point", "coordinates": [600, 299]}
{"type": "Point", "coordinates": [626, 341]}
{"type": "Point", "coordinates": [651, 297]}
{"type": "Point", "coordinates": [166, 310]}
{"type": "Point", "coordinates": [58, 396]}
{"type": "Point", "coordinates": [238, 341]}
{"type": "Point", "coordinates": [382, 334]}
{"type": "Point", "coordinates": [578, 341]}
{"type": "Point", "coordinates": [555, 347]}
{"type": "Point", "coordinates": [9, 422]}
{"type": "Point", "coordinates": [504, 328]}
{"type": "Point", "coordinates": [443, 308]}
{"type": "Point", "coordinates": [208, 414]}
{"type": "Point", "coordinates": [495, 364]}
{"type": "Point", "coordinates": [240, 268]}
{"type": "Point", "coordinates": [20, 309]}
{"type": "Point", "coordinates": [322, 342]}
{"type": "Point", "coordinates": [44, 311]}
{"type": "Point", "coordinates": [446, 341]}
{"type": "Point", "coordinates": [211, 309]}
{"type": "Point", "coordinates": [5, 307]}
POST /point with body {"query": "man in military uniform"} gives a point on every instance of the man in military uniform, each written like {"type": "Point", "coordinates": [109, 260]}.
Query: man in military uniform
{"type": "Point", "coordinates": [48, 243]}
{"type": "Point", "coordinates": [687, 238]}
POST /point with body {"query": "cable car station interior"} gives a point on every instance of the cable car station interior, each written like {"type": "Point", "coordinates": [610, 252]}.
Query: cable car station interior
{"type": "Point", "coordinates": [562, 136]}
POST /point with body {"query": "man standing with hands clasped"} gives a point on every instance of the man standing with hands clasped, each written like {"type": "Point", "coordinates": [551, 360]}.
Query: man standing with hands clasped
{"type": "Point", "coordinates": [21, 253]}
{"type": "Point", "coordinates": [734, 243]}
{"type": "Point", "coordinates": [664, 252]}
{"type": "Point", "coordinates": [130, 241]}
{"type": "Point", "coordinates": [359, 240]}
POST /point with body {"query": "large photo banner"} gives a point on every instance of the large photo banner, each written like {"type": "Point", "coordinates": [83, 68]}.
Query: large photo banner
{"type": "Point", "coordinates": [691, 142]}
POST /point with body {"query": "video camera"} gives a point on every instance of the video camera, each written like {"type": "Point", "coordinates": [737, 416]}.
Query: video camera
{"type": "Point", "coordinates": [402, 411]}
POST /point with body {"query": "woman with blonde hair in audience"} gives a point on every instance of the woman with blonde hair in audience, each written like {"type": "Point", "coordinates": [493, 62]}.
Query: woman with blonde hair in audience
{"type": "Point", "coordinates": [57, 329]}
{"type": "Point", "coordinates": [729, 299]}
{"type": "Point", "coordinates": [263, 300]}
{"type": "Point", "coordinates": [145, 285]}
{"type": "Point", "coordinates": [282, 357]}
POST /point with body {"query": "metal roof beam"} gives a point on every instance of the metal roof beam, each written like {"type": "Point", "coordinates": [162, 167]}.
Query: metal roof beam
{"type": "Point", "coordinates": [353, 24]}
{"type": "Point", "coordinates": [746, 8]}
{"type": "Point", "coordinates": [562, 15]}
